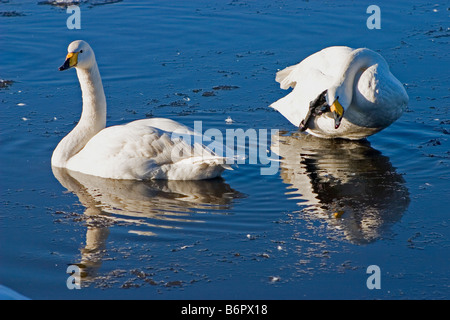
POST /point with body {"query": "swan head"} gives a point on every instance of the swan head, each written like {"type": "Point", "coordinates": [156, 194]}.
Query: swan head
{"type": "Point", "coordinates": [338, 103]}
{"type": "Point", "coordinates": [80, 55]}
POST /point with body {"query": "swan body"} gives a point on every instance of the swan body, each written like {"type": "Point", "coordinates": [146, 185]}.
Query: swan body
{"type": "Point", "coordinates": [140, 150]}
{"type": "Point", "coordinates": [357, 80]}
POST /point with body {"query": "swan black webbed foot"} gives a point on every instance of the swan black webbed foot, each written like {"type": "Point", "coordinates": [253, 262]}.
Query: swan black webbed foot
{"type": "Point", "coordinates": [316, 107]}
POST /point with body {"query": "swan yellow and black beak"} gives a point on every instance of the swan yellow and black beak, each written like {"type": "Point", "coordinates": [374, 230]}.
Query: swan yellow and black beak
{"type": "Point", "coordinates": [338, 113]}
{"type": "Point", "coordinates": [71, 61]}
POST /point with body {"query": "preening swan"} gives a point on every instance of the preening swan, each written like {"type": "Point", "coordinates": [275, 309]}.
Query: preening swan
{"type": "Point", "coordinates": [142, 150]}
{"type": "Point", "coordinates": [340, 92]}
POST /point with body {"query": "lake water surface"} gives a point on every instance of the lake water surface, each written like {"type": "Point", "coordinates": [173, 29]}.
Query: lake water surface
{"type": "Point", "coordinates": [309, 231]}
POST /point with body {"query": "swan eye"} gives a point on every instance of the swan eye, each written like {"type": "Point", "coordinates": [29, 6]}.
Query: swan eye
{"type": "Point", "coordinates": [81, 51]}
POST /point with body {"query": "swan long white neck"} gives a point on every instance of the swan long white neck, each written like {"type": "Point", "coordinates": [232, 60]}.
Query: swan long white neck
{"type": "Point", "coordinates": [93, 116]}
{"type": "Point", "coordinates": [358, 61]}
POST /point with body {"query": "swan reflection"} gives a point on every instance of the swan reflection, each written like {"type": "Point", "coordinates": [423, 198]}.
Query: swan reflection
{"type": "Point", "coordinates": [346, 183]}
{"type": "Point", "coordinates": [155, 205]}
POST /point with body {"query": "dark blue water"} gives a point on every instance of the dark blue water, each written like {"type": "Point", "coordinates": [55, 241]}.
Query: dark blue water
{"type": "Point", "coordinates": [308, 231]}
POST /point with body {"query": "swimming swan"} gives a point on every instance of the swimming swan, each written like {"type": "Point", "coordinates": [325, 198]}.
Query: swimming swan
{"type": "Point", "coordinates": [140, 150]}
{"type": "Point", "coordinates": [340, 92]}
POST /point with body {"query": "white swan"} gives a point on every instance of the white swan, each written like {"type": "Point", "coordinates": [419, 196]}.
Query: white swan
{"type": "Point", "coordinates": [340, 92]}
{"type": "Point", "coordinates": [140, 150]}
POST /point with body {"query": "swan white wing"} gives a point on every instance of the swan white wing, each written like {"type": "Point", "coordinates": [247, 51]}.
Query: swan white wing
{"type": "Point", "coordinates": [327, 62]}
{"type": "Point", "coordinates": [285, 79]}
{"type": "Point", "coordinates": [213, 145]}
{"type": "Point", "coordinates": [308, 83]}
{"type": "Point", "coordinates": [164, 124]}
{"type": "Point", "coordinates": [308, 79]}
{"type": "Point", "coordinates": [140, 151]}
